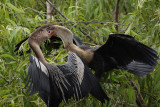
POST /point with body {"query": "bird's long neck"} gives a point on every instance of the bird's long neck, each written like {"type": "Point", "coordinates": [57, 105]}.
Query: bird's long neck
{"type": "Point", "coordinates": [36, 49]}
{"type": "Point", "coordinates": [86, 55]}
{"type": "Point", "coordinates": [72, 47]}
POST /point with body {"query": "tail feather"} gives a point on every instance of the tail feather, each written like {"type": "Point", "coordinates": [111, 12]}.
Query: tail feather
{"type": "Point", "coordinates": [139, 68]}
{"type": "Point", "coordinates": [97, 90]}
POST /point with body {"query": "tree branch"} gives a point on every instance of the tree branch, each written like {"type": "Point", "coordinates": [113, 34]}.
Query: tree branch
{"type": "Point", "coordinates": [49, 11]}
{"type": "Point", "coordinates": [117, 12]}
{"type": "Point", "coordinates": [57, 10]}
{"type": "Point", "coordinates": [85, 33]}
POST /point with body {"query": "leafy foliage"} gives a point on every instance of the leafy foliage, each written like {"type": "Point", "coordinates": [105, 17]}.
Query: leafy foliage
{"type": "Point", "coordinates": [139, 18]}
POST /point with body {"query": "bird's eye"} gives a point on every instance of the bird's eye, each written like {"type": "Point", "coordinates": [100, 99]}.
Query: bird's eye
{"type": "Point", "coordinates": [49, 31]}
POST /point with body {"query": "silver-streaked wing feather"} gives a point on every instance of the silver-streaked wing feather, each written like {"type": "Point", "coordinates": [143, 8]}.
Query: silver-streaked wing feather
{"type": "Point", "coordinates": [74, 72]}
{"type": "Point", "coordinates": [77, 65]}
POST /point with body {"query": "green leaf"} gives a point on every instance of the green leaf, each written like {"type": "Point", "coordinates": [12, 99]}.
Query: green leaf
{"type": "Point", "coordinates": [129, 29]}
{"type": "Point", "coordinates": [11, 21]}
{"type": "Point", "coordinates": [15, 8]}
{"type": "Point", "coordinates": [7, 56]}
{"type": "Point", "coordinates": [14, 33]}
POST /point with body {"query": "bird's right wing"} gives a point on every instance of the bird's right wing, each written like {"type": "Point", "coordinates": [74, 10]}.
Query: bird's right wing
{"type": "Point", "coordinates": [37, 78]}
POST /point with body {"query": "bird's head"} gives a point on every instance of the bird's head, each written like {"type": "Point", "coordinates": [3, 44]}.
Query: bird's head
{"type": "Point", "coordinates": [41, 34]}
{"type": "Point", "coordinates": [63, 33]}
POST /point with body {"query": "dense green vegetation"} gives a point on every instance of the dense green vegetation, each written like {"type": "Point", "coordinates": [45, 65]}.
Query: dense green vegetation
{"type": "Point", "coordinates": [139, 18]}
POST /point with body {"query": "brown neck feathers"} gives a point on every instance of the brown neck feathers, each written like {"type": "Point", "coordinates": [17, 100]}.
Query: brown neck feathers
{"type": "Point", "coordinates": [36, 49]}
{"type": "Point", "coordinates": [87, 55]}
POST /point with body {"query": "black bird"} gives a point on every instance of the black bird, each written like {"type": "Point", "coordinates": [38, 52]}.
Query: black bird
{"type": "Point", "coordinates": [55, 83]}
{"type": "Point", "coordinates": [119, 52]}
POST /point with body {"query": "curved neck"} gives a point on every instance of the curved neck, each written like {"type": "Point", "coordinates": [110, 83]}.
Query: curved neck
{"type": "Point", "coordinates": [86, 55]}
{"type": "Point", "coordinates": [36, 49]}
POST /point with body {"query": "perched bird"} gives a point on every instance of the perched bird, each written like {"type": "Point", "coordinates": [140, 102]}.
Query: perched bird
{"type": "Point", "coordinates": [119, 52]}
{"type": "Point", "coordinates": [55, 83]}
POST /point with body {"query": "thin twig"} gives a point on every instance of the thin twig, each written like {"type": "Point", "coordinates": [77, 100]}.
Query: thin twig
{"type": "Point", "coordinates": [42, 2]}
{"type": "Point", "coordinates": [85, 33]}
{"type": "Point", "coordinates": [36, 11]}
{"type": "Point", "coordinates": [88, 22]}
{"type": "Point", "coordinates": [42, 5]}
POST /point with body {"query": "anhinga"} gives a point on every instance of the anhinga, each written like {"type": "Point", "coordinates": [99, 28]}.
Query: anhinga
{"type": "Point", "coordinates": [55, 83]}
{"type": "Point", "coordinates": [119, 52]}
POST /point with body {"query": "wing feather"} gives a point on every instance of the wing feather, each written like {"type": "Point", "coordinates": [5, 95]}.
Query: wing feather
{"type": "Point", "coordinates": [123, 50]}
{"type": "Point", "coordinates": [37, 80]}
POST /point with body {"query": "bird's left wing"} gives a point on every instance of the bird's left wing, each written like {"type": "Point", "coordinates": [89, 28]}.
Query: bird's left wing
{"type": "Point", "coordinates": [127, 53]}
{"type": "Point", "coordinates": [81, 79]}
{"type": "Point", "coordinates": [73, 71]}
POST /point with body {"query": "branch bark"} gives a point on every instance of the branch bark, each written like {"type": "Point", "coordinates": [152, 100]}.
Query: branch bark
{"type": "Point", "coordinates": [49, 12]}
{"type": "Point", "coordinates": [116, 13]}
{"type": "Point", "coordinates": [57, 10]}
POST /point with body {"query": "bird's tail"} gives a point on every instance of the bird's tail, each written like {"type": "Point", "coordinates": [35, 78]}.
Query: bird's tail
{"type": "Point", "coordinates": [97, 90]}
{"type": "Point", "coordinates": [138, 68]}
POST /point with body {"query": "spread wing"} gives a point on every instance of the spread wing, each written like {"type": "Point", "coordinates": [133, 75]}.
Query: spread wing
{"type": "Point", "coordinates": [74, 73]}
{"type": "Point", "coordinates": [127, 53]}
{"type": "Point", "coordinates": [37, 79]}
{"type": "Point", "coordinates": [47, 80]}
{"type": "Point", "coordinates": [81, 79]}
